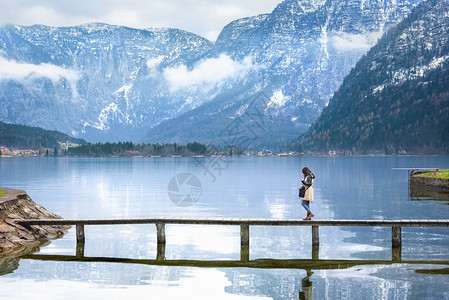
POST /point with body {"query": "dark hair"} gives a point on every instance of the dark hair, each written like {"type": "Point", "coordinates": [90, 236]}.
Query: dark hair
{"type": "Point", "coordinates": [306, 171]}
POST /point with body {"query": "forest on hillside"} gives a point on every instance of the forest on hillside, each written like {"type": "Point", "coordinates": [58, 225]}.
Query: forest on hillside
{"type": "Point", "coordinates": [33, 138]}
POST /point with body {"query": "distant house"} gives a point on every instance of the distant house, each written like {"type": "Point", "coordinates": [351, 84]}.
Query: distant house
{"type": "Point", "coordinates": [5, 151]}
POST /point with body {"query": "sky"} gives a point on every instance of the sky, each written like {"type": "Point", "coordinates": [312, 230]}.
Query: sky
{"type": "Point", "coordinates": [203, 17]}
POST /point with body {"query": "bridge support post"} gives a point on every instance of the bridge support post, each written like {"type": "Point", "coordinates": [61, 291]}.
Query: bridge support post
{"type": "Point", "coordinates": [80, 234]}
{"type": "Point", "coordinates": [160, 252]}
{"type": "Point", "coordinates": [244, 242]}
{"type": "Point", "coordinates": [80, 249]}
{"type": "Point", "coordinates": [160, 233]}
{"type": "Point", "coordinates": [396, 239]}
{"type": "Point", "coordinates": [244, 234]}
{"type": "Point", "coordinates": [396, 254]}
{"type": "Point", "coordinates": [80, 240]}
{"type": "Point", "coordinates": [244, 253]}
{"type": "Point", "coordinates": [315, 252]}
{"type": "Point", "coordinates": [315, 236]}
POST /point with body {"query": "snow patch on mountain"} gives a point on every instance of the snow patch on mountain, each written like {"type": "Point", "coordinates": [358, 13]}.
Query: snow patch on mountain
{"type": "Point", "coordinates": [278, 99]}
{"type": "Point", "coordinates": [418, 71]}
{"type": "Point", "coordinates": [109, 113]}
{"type": "Point", "coordinates": [154, 62]}
{"type": "Point", "coordinates": [402, 75]}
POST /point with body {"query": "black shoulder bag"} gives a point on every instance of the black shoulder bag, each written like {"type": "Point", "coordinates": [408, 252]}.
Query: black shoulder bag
{"type": "Point", "coordinates": [302, 192]}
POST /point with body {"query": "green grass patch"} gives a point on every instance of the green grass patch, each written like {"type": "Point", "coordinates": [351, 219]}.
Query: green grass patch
{"type": "Point", "coordinates": [2, 192]}
{"type": "Point", "coordinates": [441, 173]}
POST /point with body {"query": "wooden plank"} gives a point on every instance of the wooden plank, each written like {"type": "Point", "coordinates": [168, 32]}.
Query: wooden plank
{"type": "Point", "coordinates": [233, 221]}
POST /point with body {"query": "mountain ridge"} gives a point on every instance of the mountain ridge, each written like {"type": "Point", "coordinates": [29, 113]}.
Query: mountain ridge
{"type": "Point", "coordinates": [114, 83]}
{"type": "Point", "coordinates": [304, 65]}
{"type": "Point", "coordinates": [396, 98]}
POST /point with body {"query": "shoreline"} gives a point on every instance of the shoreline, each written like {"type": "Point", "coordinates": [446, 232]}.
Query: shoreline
{"type": "Point", "coordinates": [429, 179]}
{"type": "Point", "coordinates": [220, 156]}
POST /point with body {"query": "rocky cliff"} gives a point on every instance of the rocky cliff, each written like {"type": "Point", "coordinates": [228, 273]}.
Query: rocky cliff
{"type": "Point", "coordinates": [16, 204]}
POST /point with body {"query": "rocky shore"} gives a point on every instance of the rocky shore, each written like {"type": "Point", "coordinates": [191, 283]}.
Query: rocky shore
{"type": "Point", "coordinates": [14, 238]}
{"type": "Point", "coordinates": [430, 179]}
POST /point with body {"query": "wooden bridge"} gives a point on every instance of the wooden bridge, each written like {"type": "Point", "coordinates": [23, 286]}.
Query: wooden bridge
{"type": "Point", "coordinates": [396, 225]}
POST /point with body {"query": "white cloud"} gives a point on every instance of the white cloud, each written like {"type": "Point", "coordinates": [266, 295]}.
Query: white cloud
{"type": "Point", "coordinates": [208, 73]}
{"type": "Point", "coordinates": [203, 17]}
{"type": "Point", "coordinates": [346, 42]}
{"type": "Point", "coordinates": [13, 70]}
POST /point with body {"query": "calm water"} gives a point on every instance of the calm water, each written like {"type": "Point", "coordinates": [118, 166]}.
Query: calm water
{"type": "Point", "coordinates": [345, 188]}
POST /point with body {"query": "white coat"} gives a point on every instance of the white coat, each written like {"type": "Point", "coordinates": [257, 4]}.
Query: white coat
{"type": "Point", "coordinates": [309, 189]}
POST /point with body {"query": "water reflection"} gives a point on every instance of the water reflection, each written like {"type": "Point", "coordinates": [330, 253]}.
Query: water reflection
{"type": "Point", "coordinates": [10, 261]}
{"type": "Point", "coordinates": [256, 278]}
{"type": "Point", "coordinates": [307, 287]}
{"type": "Point", "coordinates": [423, 193]}
{"type": "Point", "coordinates": [303, 264]}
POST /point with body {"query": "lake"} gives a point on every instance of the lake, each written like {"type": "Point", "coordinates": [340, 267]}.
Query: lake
{"type": "Point", "coordinates": [247, 187]}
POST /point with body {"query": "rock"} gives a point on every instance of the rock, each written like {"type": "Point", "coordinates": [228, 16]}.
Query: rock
{"type": "Point", "coordinates": [16, 204]}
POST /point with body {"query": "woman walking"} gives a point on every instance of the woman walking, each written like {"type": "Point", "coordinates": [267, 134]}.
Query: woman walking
{"type": "Point", "coordinates": [307, 182]}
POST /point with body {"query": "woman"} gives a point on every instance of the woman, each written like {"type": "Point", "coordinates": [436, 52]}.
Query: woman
{"type": "Point", "coordinates": [307, 182]}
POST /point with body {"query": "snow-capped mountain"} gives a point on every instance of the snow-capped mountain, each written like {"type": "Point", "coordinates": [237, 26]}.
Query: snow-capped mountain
{"type": "Point", "coordinates": [93, 80]}
{"type": "Point", "coordinates": [104, 82]}
{"type": "Point", "coordinates": [396, 97]}
{"type": "Point", "coordinates": [299, 54]}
